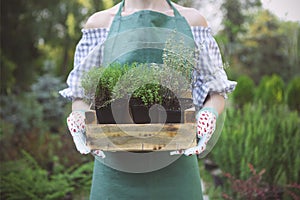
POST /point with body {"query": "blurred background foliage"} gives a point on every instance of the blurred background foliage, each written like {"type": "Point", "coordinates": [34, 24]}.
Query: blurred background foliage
{"type": "Point", "coordinates": [38, 39]}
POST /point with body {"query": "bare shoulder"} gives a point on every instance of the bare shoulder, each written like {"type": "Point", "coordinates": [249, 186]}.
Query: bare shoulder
{"type": "Point", "coordinates": [193, 16]}
{"type": "Point", "coordinates": [101, 19]}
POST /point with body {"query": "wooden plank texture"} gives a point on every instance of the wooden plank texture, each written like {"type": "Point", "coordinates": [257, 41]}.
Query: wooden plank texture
{"type": "Point", "coordinates": [140, 137]}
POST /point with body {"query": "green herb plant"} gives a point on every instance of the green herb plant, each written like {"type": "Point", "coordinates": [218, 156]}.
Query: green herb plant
{"type": "Point", "coordinates": [176, 75]}
{"type": "Point", "coordinates": [140, 82]}
{"type": "Point", "coordinates": [98, 83]}
{"type": "Point", "coordinates": [89, 82]}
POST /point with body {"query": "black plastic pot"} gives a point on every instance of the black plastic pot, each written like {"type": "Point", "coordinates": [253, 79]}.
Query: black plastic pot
{"type": "Point", "coordinates": [142, 114]}
{"type": "Point", "coordinates": [116, 112]}
{"type": "Point", "coordinates": [175, 113]}
{"type": "Point", "coordinates": [185, 103]}
{"type": "Point", "coordinates": [171, 116]}
{"type": "Point", "coordinates": [123, 111]}
{"type": "Point", "coordinates": [104, 115]}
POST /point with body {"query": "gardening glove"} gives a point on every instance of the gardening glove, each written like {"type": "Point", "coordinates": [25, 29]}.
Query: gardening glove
{"type": "Point", "coordinates": [206, 120]}
{"type": "Point", "coordinates": [76, 125]}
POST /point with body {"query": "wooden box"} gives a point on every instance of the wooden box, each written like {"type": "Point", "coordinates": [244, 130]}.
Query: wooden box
{"type": "Point", "coordinates": [141, 137]}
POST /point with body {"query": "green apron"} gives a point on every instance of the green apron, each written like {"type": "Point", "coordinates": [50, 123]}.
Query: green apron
{"type": "Point", "coordinates": [141, 36]}
{"type": "Point", "coordinates": [178, 180]}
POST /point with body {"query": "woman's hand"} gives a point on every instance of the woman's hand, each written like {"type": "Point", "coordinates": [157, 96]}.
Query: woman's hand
{"type": "Point", "coordinates": [206, 120]}
{"type": "Point", "coordinates": [206, 125]}
{"type": "Point", "coordinates": [76, 125]}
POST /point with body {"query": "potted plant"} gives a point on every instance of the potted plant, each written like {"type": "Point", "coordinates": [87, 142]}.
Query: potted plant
{"type": "Point", "coordinates": [155, 93]}
{"type": "Point", "coordinates": [176, 76]}
{"type": "Point", "coordinates": [173, 97]}
{"type": "Point", "coordinates": [141, 85]}
{"type": "Point", "coordinates": [149, 85]}
{"type": "Point", "coordinates": [108, 109]}
{"type": "Point", "coordinates": [143, 103]}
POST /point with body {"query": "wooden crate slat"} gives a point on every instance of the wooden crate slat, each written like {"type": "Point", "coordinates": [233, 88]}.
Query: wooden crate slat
{"type": "Point", "coordinates": [140, 137]}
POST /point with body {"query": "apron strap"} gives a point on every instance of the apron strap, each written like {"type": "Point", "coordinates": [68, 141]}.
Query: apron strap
{"type": "Point", "coordinates": [120, 8]}
{"type": "Point", "coordinates": [176, 12]}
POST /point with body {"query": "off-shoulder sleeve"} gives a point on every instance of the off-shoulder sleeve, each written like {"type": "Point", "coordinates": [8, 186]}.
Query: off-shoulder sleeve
{"type": "Point", "coordinates": [209, 75]}
{"type": "Point", "coordinates": [88, 54]}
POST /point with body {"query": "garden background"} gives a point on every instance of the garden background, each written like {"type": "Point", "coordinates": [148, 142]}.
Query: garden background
{"type": "Point", "coordinates": [257, 156]}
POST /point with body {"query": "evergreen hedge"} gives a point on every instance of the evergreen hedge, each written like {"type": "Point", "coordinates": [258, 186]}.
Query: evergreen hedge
{"type": "Point", "coordinates": [266, 137]}
{"type": "Point", "coordinates": [293, 94]}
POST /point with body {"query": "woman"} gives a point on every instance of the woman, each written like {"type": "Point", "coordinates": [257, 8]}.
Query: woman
{"type": "Point", "coordinates": [178, 177]}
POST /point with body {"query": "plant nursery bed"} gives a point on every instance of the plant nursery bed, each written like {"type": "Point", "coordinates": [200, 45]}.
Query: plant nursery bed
{"type": "Point", "coordinates": [141, 137]}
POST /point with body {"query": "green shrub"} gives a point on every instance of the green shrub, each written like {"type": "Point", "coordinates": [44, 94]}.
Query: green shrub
{"type": "Point", "coordinates": [270, 90]}
{"type": "Point", "coordinates": [268, 138]}
{"type": "Point", "coordinates": [254, 188]}
{"type": "Point", "coordinates": [25, 179]}
{"type": "Point", "coordinates": [40, 108]}
{"type": "Point", "coordinates": [20, 113]}
{"type": "Point", "coordinates": [293, 94]}
{"type": "Point", "coordinates": [244, 91]}
{"type": "Point", "coordinates": [45, 90]}
{"type": "Point", "coordinates": [80, 177]}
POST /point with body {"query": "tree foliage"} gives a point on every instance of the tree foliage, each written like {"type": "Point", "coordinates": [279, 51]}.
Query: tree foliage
{"type": "Point", "coordinates": [19, 52]}
{"type": "Point", "coordinates": [233, 19]}
{"type": "Point", "coordinates": [235, 16]}
{"type": "Point", "coordinates": [270, 47]}
{"type": "Point", "coordinates": [39, 37]}
{"type": "Point", "coordinates": [257, 43]}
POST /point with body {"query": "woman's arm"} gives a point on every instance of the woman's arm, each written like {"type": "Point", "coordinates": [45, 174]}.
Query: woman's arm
{"type": "Point", "coordinates": [215, 101]}
{"type": "Point", "coordinates": [79, 105]}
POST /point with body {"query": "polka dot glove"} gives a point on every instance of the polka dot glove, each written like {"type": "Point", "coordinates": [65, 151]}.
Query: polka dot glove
{"type": "Point", "coordinates": [76, 125]}
{"type": "Point", "coordinates": [206, 124]}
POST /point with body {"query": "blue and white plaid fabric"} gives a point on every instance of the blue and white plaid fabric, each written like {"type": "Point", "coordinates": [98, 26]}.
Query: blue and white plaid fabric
{"type": "Point", "coordinates": [208, 77]}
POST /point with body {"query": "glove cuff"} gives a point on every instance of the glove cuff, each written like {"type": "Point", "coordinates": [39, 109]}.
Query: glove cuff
{"type": "Point", "coordinates": [210, 109]}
